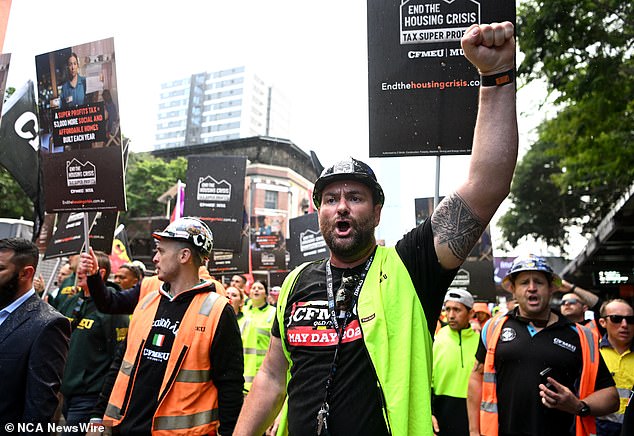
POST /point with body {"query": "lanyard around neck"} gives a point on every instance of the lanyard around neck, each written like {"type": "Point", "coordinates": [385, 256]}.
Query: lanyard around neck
{"type": "Point", "coordinates": [331, 293]}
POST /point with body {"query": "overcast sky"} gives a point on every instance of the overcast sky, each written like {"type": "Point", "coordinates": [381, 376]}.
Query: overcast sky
{"type": "Point", "coordinates": [315, 52]}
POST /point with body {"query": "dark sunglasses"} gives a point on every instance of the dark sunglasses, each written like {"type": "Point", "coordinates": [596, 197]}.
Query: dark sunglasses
{"type": "Point", "coordinates": [570, 301]}
{"type": "Point", "coordinates": [618, 319]}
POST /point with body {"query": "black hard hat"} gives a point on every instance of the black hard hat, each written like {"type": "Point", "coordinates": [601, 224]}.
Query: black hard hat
{"type": "Point", "coordinates": [189, 229]}
{"type": "Point", "coordinates": [348, 169]}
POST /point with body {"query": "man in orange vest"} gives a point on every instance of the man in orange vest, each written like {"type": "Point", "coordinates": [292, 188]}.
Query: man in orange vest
{"type": "Point", "coordinates": [182, 371]}
{"type": "Point", "coordinates": [536, 372]}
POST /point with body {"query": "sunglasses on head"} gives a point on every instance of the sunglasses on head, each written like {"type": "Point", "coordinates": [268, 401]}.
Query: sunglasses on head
{"type": "Point", "coordinates": [618, 319]}
{"type": "Point", "coordinates": [570, 301]}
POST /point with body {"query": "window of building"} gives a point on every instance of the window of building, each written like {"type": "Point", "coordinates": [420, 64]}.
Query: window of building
{"type": "Point", "coordinates": [270, 199]}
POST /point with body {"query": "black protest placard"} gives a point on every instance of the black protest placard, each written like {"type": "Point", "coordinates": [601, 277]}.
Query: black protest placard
{"type": "Point", "coordinates": [305, 243]}
{"type": "Point", "coordinates": [215, 193]}
{"type": "Point", "coordinates": [102, 232]}
{"type": "Point", "coordinates": [230, 262]}
{"type": "Point", "coordinates": [268, 240]}
{"type": "Point", "coordinates": [80, 139]}
{"type": "Point", "coordinates": [68, 238]}
{"type": "Point", "coordinates": [268, 259]}
{"type": "Point", "coordinates": [84, 180]}
{"type": "Point", "coordinates": [422, 90]}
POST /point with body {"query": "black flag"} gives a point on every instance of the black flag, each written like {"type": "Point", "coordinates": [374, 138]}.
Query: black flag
{"type": "Point", "coordinates": [19, 145]}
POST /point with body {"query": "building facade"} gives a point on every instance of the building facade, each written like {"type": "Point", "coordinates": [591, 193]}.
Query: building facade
{"type": "Point", "coordinates": [219, 106]}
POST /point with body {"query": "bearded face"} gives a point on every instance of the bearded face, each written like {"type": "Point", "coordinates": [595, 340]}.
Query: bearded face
{"type": "Point", "coordinates": [9, 289]}
{"type": "Point", "coordinates": [347, 219]}
{"type": "Point", "coordinates": [359, 234]}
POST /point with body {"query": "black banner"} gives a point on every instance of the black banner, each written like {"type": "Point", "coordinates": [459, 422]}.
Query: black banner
{"type": "Point", "coordinates": [305, 243]}
{"type": "Point", "coordinates": [19, 144]}
{"type": "Point", "coordinates": [5, 61]}
{"type": "Point", "coordinates": [215, 193]}
{"type": "Point", "coordinates": [422, 90]}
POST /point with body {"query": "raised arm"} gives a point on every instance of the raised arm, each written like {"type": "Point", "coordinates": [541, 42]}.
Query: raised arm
{"type": "Point", "coordinates": [267, 393]}
{"type": "Point", "coordinates": [106, 299]}
{"type": "Point", "coordinates": [588, 297]}
{"type": "Point", "coordinates": [462, 216]}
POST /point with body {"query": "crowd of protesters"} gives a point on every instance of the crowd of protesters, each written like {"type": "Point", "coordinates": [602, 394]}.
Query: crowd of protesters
{"type": "Point", "coordinates": [346, 345]}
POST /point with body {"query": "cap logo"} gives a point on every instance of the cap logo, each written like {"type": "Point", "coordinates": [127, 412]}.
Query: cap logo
{"type": "Point", "coordinates": [344, 167]}
{"type": "Point", "coordinates": [199, 240]}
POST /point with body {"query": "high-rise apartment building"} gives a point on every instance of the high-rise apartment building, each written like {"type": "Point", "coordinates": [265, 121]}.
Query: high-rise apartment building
{"type": "Point", "coordinates": [217, 106]}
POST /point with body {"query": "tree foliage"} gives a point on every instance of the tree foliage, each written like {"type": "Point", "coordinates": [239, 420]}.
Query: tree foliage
{"type": "Point", "coordinates": [147, 178]}
{"type": "Point", "coordinates": [15, 203]}
{"type": "Point", "coordinates": [583, 159]}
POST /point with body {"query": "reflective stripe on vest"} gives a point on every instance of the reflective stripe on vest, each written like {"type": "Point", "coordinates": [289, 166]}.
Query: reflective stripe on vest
{"type": "Point", "coordinates": [193, 376]}
{"type": "Point", "coordinates": [183, 422]}
{"type": "Point", "coordinates": [254, 351]}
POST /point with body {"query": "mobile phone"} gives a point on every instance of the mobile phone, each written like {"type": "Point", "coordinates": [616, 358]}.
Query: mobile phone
{"type": "Point", "coordinates": [544, 374]}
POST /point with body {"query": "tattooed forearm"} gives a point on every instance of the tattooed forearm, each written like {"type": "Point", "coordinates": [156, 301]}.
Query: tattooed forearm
{"type": "Point", "coordinates": [478, 368]}
{"type": "Point", "coordinates": [455, 225]}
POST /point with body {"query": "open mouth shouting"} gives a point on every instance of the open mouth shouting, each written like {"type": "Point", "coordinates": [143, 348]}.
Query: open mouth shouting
{"type": "Point", "coordinates": [343, 228]}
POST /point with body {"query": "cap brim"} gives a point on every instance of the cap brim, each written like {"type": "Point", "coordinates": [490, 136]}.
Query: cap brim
{"type": "Point", "coordinates": [160, 235]}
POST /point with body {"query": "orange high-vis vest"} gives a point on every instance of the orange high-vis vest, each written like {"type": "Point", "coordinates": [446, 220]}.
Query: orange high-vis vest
{"type": "Point", "coordinates": [188, 398]}
{"type": "Point", "coordinates": [589, 339]}
{"type": "Point", "coordinates": [153, 283]}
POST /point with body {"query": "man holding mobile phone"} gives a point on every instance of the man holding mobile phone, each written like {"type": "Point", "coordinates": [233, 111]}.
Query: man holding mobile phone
{"type": "Point", "coordinates": [523, 351]}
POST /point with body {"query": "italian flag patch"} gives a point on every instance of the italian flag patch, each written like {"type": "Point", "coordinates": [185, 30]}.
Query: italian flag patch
{"type": "Point", "coordinates": [158, 340]}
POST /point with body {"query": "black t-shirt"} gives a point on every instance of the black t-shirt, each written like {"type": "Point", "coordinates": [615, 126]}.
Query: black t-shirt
{"type": "Point", "coordinates": [225, 354]}
{"type": "Point", "coordinates": [355, 399]}
{"type": "Point", "coordinates": [520, 355]}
